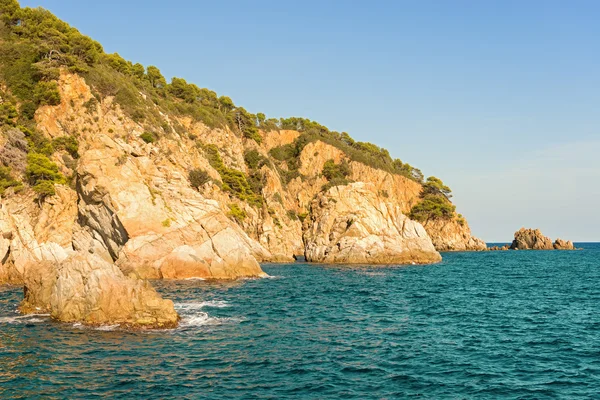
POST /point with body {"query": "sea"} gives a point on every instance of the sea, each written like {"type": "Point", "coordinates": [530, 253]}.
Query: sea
{"type": "Point", "coordinates": [490, 325]}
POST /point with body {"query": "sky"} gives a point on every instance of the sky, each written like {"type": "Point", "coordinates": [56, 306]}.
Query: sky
{"type": "Point", "coordinates": [500, 99]}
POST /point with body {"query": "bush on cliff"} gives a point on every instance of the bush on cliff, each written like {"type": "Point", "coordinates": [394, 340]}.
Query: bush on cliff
{"type": "Point", "coordinates": [435, 203]}
{"type": "Point", "coordinates": [70, 144]}
{"type": "Point", "coordinates": [254, 160]}
{"type": "Point", "coordinates": [148, 137]}
{"type": "Point", "coordinates": [8, 114]}
{"type": "Point", "coordinates": [198, 177]}
{"type": "Point", "coordinates": [331, 170]}
{"type": "Point", "coordinates": [236, 213]}
{"type": "Point", "coordinates": [7, 180]}
{"type": "Point", "coordinates": [336, 174]}
{"type": "Point", "coordinates": [42, 174]}
{"type": "Point", "coordinates": [234, 181]}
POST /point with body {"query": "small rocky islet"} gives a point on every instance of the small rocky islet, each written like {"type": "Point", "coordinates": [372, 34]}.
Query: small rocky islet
{"type": "Point", "coordinates": [111, 176]}
{"type": "Point", "coordinates": [533, 239]}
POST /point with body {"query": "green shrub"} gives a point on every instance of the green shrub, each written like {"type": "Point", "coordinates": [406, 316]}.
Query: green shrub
{"type": "Point", "coordinates": [236, 213]}
{"type": "Point", "coordinates": [234, 181]}
{"type": "Point", "coordinates": [70, 144]}
{"type": "Point", "coordinates": [292, 215]}
{"type": "Point", "coordinates": [42, 174]}
{"type": "Point", "coordinates": [332, 171]}
{"type": "Point", "coordinates": [8, 114]}
{"type": "Point", "coordinates": [45, 189]}
{"type": "Point", "coordinates": [148, 137]}
{"type": "Point", "coordinates": [6, 180]}
{"type": "Point", "coordinates": [302, 216]}
{"type": "Point", "coordinates": [46, 93]}
{"type": "Point", "coordinates": [198, 177]}
{"type": "Point", "coordinates": [432, 207]}
{"type": "Point", "coordinates": [91, 105]}
{"type": "Point", "coordinates": [284, 153]}
{"type": "Point", "coordinates": [255, 160]}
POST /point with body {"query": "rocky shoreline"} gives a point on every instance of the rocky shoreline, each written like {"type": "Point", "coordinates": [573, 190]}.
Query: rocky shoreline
{"type": "Point", "coordinates": [110, 176]}
{"type": "Point", "coordinates": [130, 214]}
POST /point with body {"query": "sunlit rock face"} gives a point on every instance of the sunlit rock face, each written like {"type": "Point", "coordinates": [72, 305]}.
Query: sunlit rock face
{"type": "Point", "coordinates": [352, 224]}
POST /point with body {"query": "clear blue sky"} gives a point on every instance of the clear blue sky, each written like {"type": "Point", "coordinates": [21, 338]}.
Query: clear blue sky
{"type": "Point", "coordinates": [500, 99]}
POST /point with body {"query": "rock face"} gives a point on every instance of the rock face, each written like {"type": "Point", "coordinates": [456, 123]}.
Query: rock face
{"type": "Point", "coordinates": [350, 224]}
{"type": "Point", "coordinates": [132, 214]}
{"type": "Point", "coordinates": [533, 239]}
{"type": "Point", "coordinates": [70, 285]}
{"type": "Point", "coordinates": [87, 289]}
{"type": "Point", "coordinates": [453, 235]}
{"type": "Point", "coordinates": [135, 203]}
{"type": "Point", "coordinates": [560, 244]}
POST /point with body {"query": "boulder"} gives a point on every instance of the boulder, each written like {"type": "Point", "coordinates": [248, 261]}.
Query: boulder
{"type": "Point", "coordinates": [85, 288]}
{"type": "Point", "coordinates": [560, 244]}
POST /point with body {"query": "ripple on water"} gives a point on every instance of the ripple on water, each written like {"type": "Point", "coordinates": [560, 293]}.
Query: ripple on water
{"type": "Point", "coordinates": [502, 326]}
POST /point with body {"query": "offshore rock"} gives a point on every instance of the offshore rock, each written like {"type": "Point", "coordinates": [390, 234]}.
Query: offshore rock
{"type": "Point", "coordinates": [352, 224]}
{"type": "Point", "coordinates": [533, 239]}
{"type": "Point", "coordinates": [560, 244]}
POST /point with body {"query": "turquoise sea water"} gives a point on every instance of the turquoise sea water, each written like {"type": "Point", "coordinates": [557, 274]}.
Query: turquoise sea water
{"type": "Point", "coordinates": [495, 325]}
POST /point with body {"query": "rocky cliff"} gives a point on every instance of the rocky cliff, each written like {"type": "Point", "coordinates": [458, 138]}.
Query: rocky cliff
{"type": "Point", "coordinates": [111, 175]}
{"type": "Point", "coordinates": [353, 224]}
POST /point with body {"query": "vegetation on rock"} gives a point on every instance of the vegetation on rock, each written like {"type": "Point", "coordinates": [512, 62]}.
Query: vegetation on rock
{"type": "Point", "coordinates": [236, 213]}
{"type": "Point", "coordinates": [435, 203]}
{"type": "Point", "coordinates": [36, 47]}
{"type": "Point", "coordinates": [233, 180]}
{"type": "Point", "coordinates": [42, 174]}
{"type": "Point", "coordinates": [7, 180]}
{"type": "Point", "coordinates": [336, 174]}
{"type": "Point", "coordinates": [198, 177]}
{"type": "Point", "coordinates": [148, 137]}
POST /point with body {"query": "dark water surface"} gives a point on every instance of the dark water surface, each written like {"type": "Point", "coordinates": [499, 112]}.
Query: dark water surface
{"type": "Point", "coordinates": [479, 325]}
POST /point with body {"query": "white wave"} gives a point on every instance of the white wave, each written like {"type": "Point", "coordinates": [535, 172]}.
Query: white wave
{"type": "Point", "coordinates": [194, 279]}
{"type": "Point", "coordinates": [370, 273]}
{"type": "Point", "coordinates": [201, 304]}
{"type": "Point", "coordinates": [203, 319]}
{"type": "Point", "coordinates": [104, 328]}
{"type": "Point", "coordinates": [23, 319]}
{"type": "Point", "coordinates": [274, 277]}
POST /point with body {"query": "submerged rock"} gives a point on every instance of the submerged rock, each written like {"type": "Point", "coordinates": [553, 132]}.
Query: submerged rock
{"type": "Point", "coordinates": [352, 224]}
